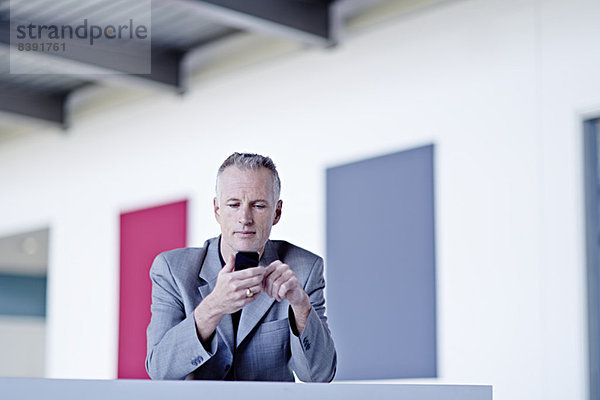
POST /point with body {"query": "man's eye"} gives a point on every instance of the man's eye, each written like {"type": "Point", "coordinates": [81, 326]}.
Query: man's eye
{"type": "Point", "coordinates": [234, 205]}
{"type": "Point", "coordinates": [260, 206]}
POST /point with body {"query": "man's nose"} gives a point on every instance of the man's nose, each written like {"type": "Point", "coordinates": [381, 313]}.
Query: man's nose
{"type": "Point", "coordinates": [246, 216]}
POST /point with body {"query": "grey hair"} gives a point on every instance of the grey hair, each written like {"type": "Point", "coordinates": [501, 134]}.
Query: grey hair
{"type": "Point", "coordinates": [249, 161]}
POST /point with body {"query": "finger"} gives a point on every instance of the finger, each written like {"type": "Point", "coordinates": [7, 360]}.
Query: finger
{"type": "Point", "coordinates": [289, 283]}
{"type": "Point", "coordinates": [230, 265]}
{"type": "Point", "coordinates": [267, 279]}
{"type": "Point", "coordinates": [283, 290]}
{"type": "Point", "coordinates": [273, 267]}
{"type": "Point", "coordinates": [245, 299]}
{"type": "Point", "coordinates": [281, 277]}
{"type": "Point", "coordinates": [275, 264]}
{"type": "Point", "coordinates": [256, 289]}
{"type": "Point", "coordinates": [269, 269]}
{"type": "Point", "coordinates": [237, 287]}
{"type": "Point", "coordinates": [253, 281]}
{"type": "Point", "coordinates": [241, 286]}
{"type": "Point", "coordinates": [271, 278]}
{"type": "Point", "coordinates": [249, 273]}
{"type": "Point", "coordinates": [277, 287]}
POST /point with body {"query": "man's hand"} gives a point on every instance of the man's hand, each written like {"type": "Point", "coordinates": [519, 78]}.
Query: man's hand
{"type": "Point", "coordinates": [281, 283]}
{"type": "Point", "coordinates": [228, 296]}
{"type": "Point", "coordinates": [230, 292]}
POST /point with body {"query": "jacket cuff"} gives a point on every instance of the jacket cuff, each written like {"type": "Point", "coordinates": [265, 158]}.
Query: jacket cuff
{"type": "Point", "coordinates": [200, 353]}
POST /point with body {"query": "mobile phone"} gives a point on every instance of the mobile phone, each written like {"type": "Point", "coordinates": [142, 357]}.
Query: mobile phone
{"type": "Point", "coordinates": [246, 259]}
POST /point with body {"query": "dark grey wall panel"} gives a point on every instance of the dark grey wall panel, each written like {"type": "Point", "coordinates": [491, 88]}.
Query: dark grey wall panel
{"type": "Point", "coordinates": [381, 266]}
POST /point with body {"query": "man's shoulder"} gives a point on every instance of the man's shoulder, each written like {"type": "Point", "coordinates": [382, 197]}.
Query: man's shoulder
{"type": "Point", "coordinates": [186, 255]}
{"type": "Point", "coordinates": [288, 251]}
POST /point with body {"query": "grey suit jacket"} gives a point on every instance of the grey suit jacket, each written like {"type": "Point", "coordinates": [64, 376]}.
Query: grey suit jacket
{"type": "Point", "coordinates": [266, 349]}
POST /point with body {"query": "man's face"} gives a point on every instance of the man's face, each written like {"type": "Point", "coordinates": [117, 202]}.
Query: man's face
{"type": "Point", "coordinates": [246, 209]}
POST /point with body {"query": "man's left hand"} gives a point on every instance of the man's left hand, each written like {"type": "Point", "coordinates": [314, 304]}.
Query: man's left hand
{"type": "Point", "coordinates": [280, 282]}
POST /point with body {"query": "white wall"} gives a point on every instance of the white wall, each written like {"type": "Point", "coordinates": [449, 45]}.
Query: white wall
{"type": "Point", "coordinates": [22, 346]}
{"type": "Point", "coordinates": [500, 86]}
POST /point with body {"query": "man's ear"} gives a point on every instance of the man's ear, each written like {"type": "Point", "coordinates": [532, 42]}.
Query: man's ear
{"type": "Point", "coordinates": [217, 209]}
{"type": "Point", "coordinates": [277, 212]}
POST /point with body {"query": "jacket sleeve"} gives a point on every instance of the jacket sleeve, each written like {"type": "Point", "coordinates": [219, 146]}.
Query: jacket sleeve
{"type": "Point", "coordinates": [174, 349]}
{"type": "Point", "coordinates": [314, 357]}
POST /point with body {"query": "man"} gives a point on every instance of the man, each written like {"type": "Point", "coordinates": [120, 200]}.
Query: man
{"type": "Point", "coordinates": [210, 321]}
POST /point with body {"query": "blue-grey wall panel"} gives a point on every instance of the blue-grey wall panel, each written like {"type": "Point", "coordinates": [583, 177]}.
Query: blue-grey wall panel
{"type": "Point", "coordinates": [22, 295]}
{"type": "Point", "coordinates": [381, 266]}
{"type": "Point", "coordinates": [592, 225]}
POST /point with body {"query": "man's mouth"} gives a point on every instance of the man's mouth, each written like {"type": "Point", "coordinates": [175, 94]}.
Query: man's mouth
{"type": "Point", "coordinates": [245, 233]}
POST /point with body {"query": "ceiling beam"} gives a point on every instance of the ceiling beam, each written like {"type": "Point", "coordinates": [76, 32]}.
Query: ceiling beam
{"type": "Point", "coordinates": [308, 21]}
{"type": "Point", "coordinates": [164, 67]}
{"type": "Point", "coordinates": [51, 107]}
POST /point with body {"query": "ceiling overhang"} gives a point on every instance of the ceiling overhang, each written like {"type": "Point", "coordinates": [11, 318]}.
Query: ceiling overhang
{"type": "Point", "coordinates": [178, 28]}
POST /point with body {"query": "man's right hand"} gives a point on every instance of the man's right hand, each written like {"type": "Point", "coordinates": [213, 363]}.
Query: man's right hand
{"type": "Point", "coordinates": [231, 289]}
{"type": "Point", "coordinates": [229, 295]}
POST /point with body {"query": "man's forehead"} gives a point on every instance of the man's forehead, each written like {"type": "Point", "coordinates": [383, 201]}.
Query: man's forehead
{"type": "Point", "coordinates": [233, 178]}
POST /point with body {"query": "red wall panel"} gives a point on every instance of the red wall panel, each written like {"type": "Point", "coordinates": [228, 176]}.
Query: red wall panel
{"type": "Point", "coordinates": [144, 234]}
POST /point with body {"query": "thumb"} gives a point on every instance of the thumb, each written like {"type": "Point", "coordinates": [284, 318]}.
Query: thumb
{"type": "Point", "coordinates": [230, 266]}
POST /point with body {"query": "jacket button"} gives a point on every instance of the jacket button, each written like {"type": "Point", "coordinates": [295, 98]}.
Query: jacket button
{"type": "Point", "coordinates": [227, 367]}
{"type": "Point", "coordinates": [306, 343]}
{"type": "Point", "coordinates": [197, 360]}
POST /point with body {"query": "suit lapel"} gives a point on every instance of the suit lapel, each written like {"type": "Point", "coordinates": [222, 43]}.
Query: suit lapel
{"type": "Point", "coordinates": [208, 274]}
{"type": "Point", "coordinates": [254, 312]}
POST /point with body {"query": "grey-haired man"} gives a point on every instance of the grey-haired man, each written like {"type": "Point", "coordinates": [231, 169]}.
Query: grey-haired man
{"type": "Point", "coordinates": [210, 321]}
